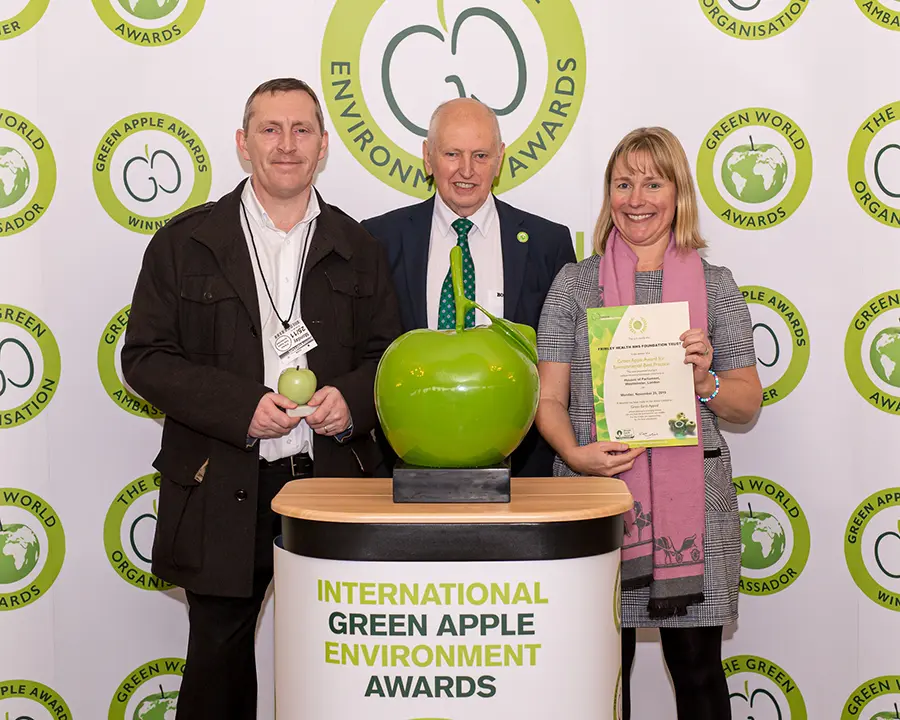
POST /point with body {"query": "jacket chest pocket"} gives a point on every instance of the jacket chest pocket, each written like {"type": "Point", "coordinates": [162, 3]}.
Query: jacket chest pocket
{"type": "Point", "coordinates": [209, 312]}
{"type": "Point", "coordinates": [352, 294]}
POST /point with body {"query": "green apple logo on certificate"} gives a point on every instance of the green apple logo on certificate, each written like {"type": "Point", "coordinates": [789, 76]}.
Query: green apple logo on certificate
{"type": "Point", "coordinates": [643, 390]}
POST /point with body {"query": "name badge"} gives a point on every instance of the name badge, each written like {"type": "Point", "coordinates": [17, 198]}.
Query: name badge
{"type": "Point", "coordinates": [293, 342]}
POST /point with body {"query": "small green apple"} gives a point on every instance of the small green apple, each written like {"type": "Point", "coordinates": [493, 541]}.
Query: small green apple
{"type": "Point", "coordinates": [160, 706]}
{"type": "Point", "coordinates": [297, 384]}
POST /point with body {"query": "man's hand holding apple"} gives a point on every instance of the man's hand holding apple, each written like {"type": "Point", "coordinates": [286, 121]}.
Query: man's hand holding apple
{"type": "Point", "coordinates": [270, 419]}
{"type": "Point", "coordinates": [332, 415]}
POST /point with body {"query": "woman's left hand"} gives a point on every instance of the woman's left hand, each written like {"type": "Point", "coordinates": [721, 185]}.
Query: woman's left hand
{"type": "Point", "coordinates": [699, 352]}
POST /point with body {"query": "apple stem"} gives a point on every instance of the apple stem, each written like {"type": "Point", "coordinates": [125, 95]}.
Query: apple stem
{"type": "Point", "coordinates": [162, 693]}
{"type": "Point", "coordinates": [751, 143]}
{"type": "Point", "coordinates": [896, 710]}
{"type": "Point", "coordinates": [750, 507]}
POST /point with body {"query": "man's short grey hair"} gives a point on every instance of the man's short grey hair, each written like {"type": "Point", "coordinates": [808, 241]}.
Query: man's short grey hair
{"type": "Point", "coordinates": [439, 110]}
{"type": "Point", "coordinates": [282, 85]}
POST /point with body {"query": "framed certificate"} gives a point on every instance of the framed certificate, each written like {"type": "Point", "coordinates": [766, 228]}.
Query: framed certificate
{"type": "Point", "coordinates": [643, 390]}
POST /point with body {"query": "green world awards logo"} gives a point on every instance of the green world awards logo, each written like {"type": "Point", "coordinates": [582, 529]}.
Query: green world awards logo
{"type": "Point", "coordinates": [760, 689]}
{"type": "Point", "coordinates": [128, 533]}
{"type": "Point", "coordinates": [882, 15]}
{"type": "Point", "coordinates": [872, 351]}
{"type": "Point", "coordinates": [872, 547]}
{"type": "Point", "coordinates": [774, 536]}
{"type": "Point", "coordinates": [150, 692]}
{"type": "Point", "coordinates": [29, 700]}
{"type": "Point", "coordinates": [754, 168]}
{"type": "Point", "coordinates": [386, 64]}
{"type": "Point", "coordinates": [29, 366]}
{"type": "Point", "coordinates": [32, 548]}
{"type": "Point", "coordinates": [27, 173]}
{"type": "Point", "coordinates": [148, 168]}
{"type": "Point", "coordinates": [873, 165]}
{"type": "Point", "coordinates": [110, 367]}
{"type": "Point", "coordinates": [19, 16]}
{"type": "Point", "coordinates": [746, 20]}
{"type": "Point", "coordinates": [875, 699]}
{"type": "Point", "coordinates": [781, 339]}
{"type": "Point", "coordinates": [149, 23]}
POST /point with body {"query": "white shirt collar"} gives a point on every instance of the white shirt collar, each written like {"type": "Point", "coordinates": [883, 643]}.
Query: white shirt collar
{"type": "Point", "coordinates": [256, 211]}
{"type": "Point", "coordinates": [482, 219]}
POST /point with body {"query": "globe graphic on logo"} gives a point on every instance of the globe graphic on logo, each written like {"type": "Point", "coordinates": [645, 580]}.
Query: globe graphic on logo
{"type": "Point", "coordinates": [15, 177]}
{"type": "Point", "coordinates": [762, 540]}
{"type": "Point", "coordinates": [149, 9]}
{"type": "Point", "coordinates": [160, 706]}
{"type": "Point", "coordinates": [754, 173]}
{"type": "Point", "coordinates": [19, 552]}
{"type": "Point", "coordinates": [884, 354]}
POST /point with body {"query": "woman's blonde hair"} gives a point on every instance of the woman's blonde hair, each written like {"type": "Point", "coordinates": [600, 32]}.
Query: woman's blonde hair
{"type": "Point", "coordinates": [667, 156]}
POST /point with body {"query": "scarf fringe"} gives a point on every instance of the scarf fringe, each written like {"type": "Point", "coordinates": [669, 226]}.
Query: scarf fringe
{"type": "Point", "coordinates": [673, 606]}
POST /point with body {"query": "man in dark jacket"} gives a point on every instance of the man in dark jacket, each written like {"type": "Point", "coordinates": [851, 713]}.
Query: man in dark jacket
{"type": "Point", "coordinates": [219, 285]}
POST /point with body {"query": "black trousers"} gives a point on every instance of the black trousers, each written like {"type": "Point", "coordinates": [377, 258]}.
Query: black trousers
{"type": "Point", "coordinates": [219, 680]}
{"type": "Point", "coordinates": [694, 659]}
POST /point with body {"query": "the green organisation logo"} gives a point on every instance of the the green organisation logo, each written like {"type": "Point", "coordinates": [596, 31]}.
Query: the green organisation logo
{"type": "Point", "coordinates": [872, 547]}
{"type": "Point", "coordinates": [29, 366]}
{"type": "Point", "coordinates": [873, 165]}
{"type": "Point", "coordinates": [753, 19]}
{"type": "Point", "coordinates": [128, 533]}
{"type": "Point", "coordinates": [774, 536]}
{"type": "Point", "coordinates": [884, 13]}
{"type": "Point", "coordinates": [754, 168]}
{"type": "Point", "coordinates": [149, 23]}
{"type": "Point", "coordinates": [781, 339]}
{"type": "Point", "coordinates": [150, 692]}
{"type": "Point", "coordinates": [32, 548]}
{"type": "Point", "coordinates": [758, 688]}
{"type": "Point", "coordinates": [875, 699]}
{"type": "Point", "coordinates": [29, 700]}
{"type": "Point", "coordinates": [149, 167]}
{"type": "Point", "coordinates": [872, 351]}
{"type": "Point", "coordinates": [27, 173]}
{"type": "Point", "coordinates": [110, 369]}
{"type": "Point", "coordinates": [19, 16]}
{"type": "Point", "coordinates": [386, 64]}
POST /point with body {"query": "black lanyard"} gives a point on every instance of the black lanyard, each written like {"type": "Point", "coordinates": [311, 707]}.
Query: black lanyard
{"type": "Point", "coordinates": [304, 252]}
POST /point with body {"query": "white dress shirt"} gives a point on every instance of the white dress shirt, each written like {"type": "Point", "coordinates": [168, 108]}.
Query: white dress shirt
{"type": "Point", "coordinates": [280, 255]}
{"type": "Point", "coordinates": [487, 256]}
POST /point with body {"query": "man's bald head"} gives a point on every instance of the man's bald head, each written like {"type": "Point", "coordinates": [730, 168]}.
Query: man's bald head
{"type": "Point", "coordinates": [462, 109]}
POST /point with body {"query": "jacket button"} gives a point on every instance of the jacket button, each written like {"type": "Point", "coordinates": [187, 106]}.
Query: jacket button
{"type": "Point", "coordinates": [253, 331]}
{"type": "Point", "coordinates": [240, 495]}
{"type": "Point", "coordinates": [207, 296]}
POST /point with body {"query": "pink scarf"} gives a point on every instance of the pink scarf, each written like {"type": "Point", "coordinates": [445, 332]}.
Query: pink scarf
{"type": "Point", "coordinates": [664, 532]}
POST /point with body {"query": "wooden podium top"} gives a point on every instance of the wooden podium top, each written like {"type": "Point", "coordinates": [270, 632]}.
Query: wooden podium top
{"type": "Point", "coordinates": [533, 500]}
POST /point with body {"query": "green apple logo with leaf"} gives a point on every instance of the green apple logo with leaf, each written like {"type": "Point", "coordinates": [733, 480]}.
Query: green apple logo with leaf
{"type": "Point", "coordinates": [138, 175]}
{"type": "Point", "coordinates": [759, 698]}
{"type": "Point", "coordinates": [20, 551]}
{"type": "Point", "coordinates": [754, 173]}
{"type": "Point", "coordinates": [149, 9]}
{"type": "Point", "coordinates": [159, 706]}
{"type": "Point", "coordinates": [762, 539]}
{"type": "Point", "coordinates": [4, 380]}
{"type": "Point", "coordinates": [15, 176]}
{"type": "Point", "coordinates": [132, 535]}
{"type": "Point", "coordinates": [887, 537]}
{"type": "Point", "coordinates": [455, 80]}
{"type": "Point", "coordinates": [884, 355]}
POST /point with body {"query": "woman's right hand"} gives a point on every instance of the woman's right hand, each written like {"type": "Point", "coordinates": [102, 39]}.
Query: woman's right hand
{"type": "Point", "coordinates": [602, 459]}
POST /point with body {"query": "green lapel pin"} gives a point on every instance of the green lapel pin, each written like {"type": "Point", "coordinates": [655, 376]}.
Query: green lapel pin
{"type": "Point", "coordinates": [522, 237]}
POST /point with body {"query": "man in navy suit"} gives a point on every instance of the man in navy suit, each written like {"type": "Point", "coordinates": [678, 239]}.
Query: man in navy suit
{"type": "Point", "coordinates": [510, 257]}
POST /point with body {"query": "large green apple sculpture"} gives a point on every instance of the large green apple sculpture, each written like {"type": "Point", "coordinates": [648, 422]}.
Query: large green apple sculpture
{"type": "Point", "coordinates": [460, 398]}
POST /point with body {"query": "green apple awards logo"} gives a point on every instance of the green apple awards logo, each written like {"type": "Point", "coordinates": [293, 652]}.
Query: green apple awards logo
{"type": "Point", "coordinates": [128, 533]}
{"type": "Point", "coordinates": [872, 547]}
{"type": "Point", "coordinates": [758, 688]}
{"type": "Point", "coordinates": [774, 536]}
{"type": "Point", "coordinates": [110, 368]}
{"type": "Point", "coordinates": [29, 366]}
{"type": "Point", "coordinates": [386, 64]}
{"type": "Point", "coordinates": [27, 173]}
{"type": "Point", "coordinates": [754, 168]}
{"type": "Point", "coordinates": [872, 351]}
{"type": "Point", "coordinates": [20, 16]}
{"type": "Point", "coordinates": [746, 20]}
{"type": "Point", "coordinates": [880, 14]}
{"type": "Point", "coordinates": [26, 700]}
{"type": "Point", "coordinates": [873, 165]}
{"type": "Point", "coordinates": [781, 339]}
{"type": "Point", "coordinates": [149, 167]}
{"type": "Point", "coordinates": [878, 697]}
{"type": "Point", "coordinates": [32, 548]}
{"type": "Point", "coordinates": [149, 23]}
{"type": "Point", "coordinates": [150, 692]}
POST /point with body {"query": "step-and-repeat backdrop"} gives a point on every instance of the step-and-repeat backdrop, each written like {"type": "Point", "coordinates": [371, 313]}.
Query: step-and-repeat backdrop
{"type": "Point", "coordinates": [117, 114]}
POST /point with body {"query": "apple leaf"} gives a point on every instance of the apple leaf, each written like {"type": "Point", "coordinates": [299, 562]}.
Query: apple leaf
{"type": "Point", "coordinates": [441, 16]}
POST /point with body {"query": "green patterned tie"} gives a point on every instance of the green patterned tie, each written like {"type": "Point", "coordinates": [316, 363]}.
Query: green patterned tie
{"type": "Point", "coordinates": [447, 309]}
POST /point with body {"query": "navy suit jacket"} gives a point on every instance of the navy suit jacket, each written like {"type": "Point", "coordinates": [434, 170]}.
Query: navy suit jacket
{"type": "Point", "coordinates": [529, 269]}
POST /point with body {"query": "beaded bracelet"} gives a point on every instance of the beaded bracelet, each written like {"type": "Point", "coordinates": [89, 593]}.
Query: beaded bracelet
{"type": "Point", "coordinates": [715, 392]}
